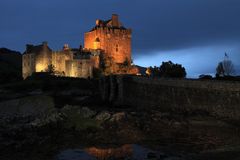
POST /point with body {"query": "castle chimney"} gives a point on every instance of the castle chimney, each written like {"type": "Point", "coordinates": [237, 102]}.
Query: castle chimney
{"type": "Point", "coordinates": [115, 22]}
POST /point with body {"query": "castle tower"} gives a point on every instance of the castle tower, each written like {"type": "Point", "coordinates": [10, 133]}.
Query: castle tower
{"type": "Point", "coordinates": [111, 37]}
{"type": "Point", "coordinates": [43, 57]}
{"type": "Point", "coordinates": [36, 59]}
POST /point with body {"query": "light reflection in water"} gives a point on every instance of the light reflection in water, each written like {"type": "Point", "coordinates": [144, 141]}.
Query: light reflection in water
{"type": "Point", "coordinates": [127, 152]}
{"type": "Point", "coordinates": [106, 153]}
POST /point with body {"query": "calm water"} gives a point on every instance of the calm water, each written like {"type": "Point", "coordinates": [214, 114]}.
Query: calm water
{"type": "Point", "coordinates": [125, 152]}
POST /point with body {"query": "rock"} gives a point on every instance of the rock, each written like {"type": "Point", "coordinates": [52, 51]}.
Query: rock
{"type": "Point", "coordinates": [47, 119]}
{"type": "Point", "coordinates": [28, 112]}
{"type": "Point", "coordinates": [80, 98]}
{"type": "Point", "coordinates": [151, 155]}
{"type": "Point", "coordinates": [74, 92]}
{"type": "Point", "coordinates": [163, 156]}
{"type": "Point", "coordinates": [134, 113]}
{"type": "Point", "coordinates": [86, 112]}
{"type": "Point", "coordinates": [83, 112]}
{"type": "Point", "coordinates": [118, 117]}
{"type": "Point", "coordinates": [27, 106]}
{"type": "Point", "coordinates": [36, 92]}
{"type": "Point", "coordinates": [80, 118]}
{"type": "Point", "coordinates": [103, 116]}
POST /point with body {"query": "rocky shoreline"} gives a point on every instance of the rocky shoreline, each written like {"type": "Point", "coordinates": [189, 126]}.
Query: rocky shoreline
{"type": "Point", "coordinates": [41, 123]}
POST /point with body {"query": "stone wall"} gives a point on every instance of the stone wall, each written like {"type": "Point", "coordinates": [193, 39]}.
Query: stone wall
{"type": "Point", "coordinates": [43, 59]}
{"type": "Point", "coordinates": [59, 60]}
{"type": "Point", "coordinates": [218, 98]}
{"type": "Point", "coordinates": [28, 65]}
{"type": "Point", "coordinates": [81, 68]}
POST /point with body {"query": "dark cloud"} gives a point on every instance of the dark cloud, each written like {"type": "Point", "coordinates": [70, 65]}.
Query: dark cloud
{"type": "Point", "coordinates": [158, 25]}
{"type": "Point", "coordinates": [189, 23]}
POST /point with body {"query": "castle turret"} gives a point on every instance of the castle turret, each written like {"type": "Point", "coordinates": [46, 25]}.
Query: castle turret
{"type": "Point", "coordinates": [115, 21]}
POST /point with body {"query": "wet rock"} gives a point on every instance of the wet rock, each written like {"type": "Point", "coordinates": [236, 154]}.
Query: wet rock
{"type": "Point", "coordinates": [36, 92]}
{"type": "Point", "coordinates": [151, 155]}
{"type": "Point", "coordinates": [79, 118]}
{"type": "Point", "coordinates": [27, 106]}
{"type": "Point", "coordinates": [103, 116]}
{"type": "Point", "coordinates": [163, 156]}
{"type": "Point", "coordinates": [133, 113]}
{"type": "Point", "coordinates": [118, 117]}
{"type": "Point", "coordinates": [53, 117]}
{"type": "Point", "coordinates": [80, 98]}
{"type": "Point", "coordinates": [74, 92]}
{"type": "Point", "coordinates": [173, 158]}
{"type": "Point", "coordinates": [26, 113]}
{"type": "Point", "coordinates": [84, 112]}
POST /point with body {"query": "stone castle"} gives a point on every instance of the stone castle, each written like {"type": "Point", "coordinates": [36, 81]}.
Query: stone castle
{"type": "Point", "coordinates": [107, 50]}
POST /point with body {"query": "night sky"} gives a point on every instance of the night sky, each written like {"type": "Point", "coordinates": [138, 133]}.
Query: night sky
{"type": "Point", "coordinates": [195, 33]}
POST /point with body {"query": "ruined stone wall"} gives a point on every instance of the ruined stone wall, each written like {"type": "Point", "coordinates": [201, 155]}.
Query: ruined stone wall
{"type": "Point", "coordinates": [28, 65]}
{"type": "Point", "coordinates": [116, 43]}
{"type": "Point", "coordinates": [81, 68]}
{"type": "Point", "coordinates": [217, 98]}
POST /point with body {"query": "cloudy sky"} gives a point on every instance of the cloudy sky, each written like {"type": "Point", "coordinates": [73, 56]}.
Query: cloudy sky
{"type": "Point", "coordinates": [195, 33]}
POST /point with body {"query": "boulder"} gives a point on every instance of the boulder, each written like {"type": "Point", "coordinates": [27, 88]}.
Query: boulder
{"type": "Point", "coordinates": [80, 118]}
{"type": "Point", "coordinates": [83, 112]}
{"type": "Point", "coordinates": [118, 117]}
{"type": "Point", "coordinates": [103, 116]}
{"type": "Point", "coordinates": [27, 106]}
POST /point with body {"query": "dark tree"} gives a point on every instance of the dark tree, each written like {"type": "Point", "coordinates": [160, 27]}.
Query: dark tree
{"type": "Point", "coordinates": [126, 63]}
{"type": "Point", "coordinates": [203, 76]}
{"type": "Point", "coordinates": [153, 71]}
{"type": "Point", "coordinates": [220, 70]}
{"type": "Point", "coordinates": [225, 68]}
{"type": "Point", "coordinates": [171, 70]}
{"type": "Point", "coordinates": [50, 69]}
{"type": "Point", "coordinates": [228, 67]}
{"type": "Point", "coordinates": [168, 70]}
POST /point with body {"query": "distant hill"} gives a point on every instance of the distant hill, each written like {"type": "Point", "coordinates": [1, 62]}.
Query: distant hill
{"type": "Point", "coordinates": [10, 65]}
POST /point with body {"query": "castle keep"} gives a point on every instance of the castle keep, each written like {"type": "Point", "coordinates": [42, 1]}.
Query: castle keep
{"type": "Point", "coordinates": [107, 50]}
{"type": "Point", "coordinates": [111, 37]}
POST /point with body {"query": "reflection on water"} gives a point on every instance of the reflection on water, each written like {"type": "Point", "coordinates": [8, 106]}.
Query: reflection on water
{"type": "Point", "coordinates": [125, 152]}
{"type": "Point", "coordinates": [106, 153]}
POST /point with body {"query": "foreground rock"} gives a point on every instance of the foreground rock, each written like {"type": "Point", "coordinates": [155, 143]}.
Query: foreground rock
{"type": "Point", "coordinates": [34, 121]}
{"type": "Point", "coordinates": [103, 116]}
{"type": "Point", "coordinates": [28, 106]}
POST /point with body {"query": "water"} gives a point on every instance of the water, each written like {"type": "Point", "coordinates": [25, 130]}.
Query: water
{"type": "Point", "coordinates": [125, 152]}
